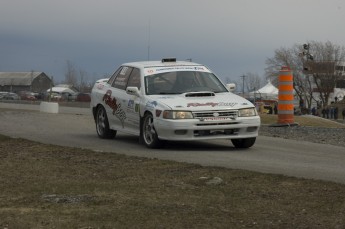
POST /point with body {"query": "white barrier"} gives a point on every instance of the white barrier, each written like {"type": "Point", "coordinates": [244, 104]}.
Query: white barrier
{"type": "Point", "coordinates": [49, 107]}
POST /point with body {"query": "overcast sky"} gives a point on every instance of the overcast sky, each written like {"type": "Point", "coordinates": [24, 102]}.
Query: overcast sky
{"type": "Point", "coordinates": [231, 37]}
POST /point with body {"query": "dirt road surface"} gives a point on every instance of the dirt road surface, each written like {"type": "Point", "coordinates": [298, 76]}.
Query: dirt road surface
{"type": "Point", "coordinates": [75, 127]}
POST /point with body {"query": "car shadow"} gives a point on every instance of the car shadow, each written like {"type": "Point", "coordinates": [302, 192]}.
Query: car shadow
{"type": "Point", "coordinates": [192, 146]}
{"type": "Point", "coordinates": [223, 145]}
{"type": "Point", "coordinates": [199, 146]}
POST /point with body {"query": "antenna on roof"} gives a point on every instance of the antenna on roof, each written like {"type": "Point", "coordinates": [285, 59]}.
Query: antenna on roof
{"type": "Point", "coordinates": [149, 40]}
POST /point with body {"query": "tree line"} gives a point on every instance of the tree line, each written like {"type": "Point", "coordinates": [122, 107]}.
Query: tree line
{"type": "Point", "coordinates": [80, 78]}
{"type": "Point", "coordinates": [316, 66]}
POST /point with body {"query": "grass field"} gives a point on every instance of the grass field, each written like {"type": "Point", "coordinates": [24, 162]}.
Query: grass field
{"type": "Point", "coordinates": [46, 186]}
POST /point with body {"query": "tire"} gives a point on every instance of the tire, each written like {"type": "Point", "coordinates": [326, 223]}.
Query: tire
{"type": "Point", "coordinates": [148, 133]}
{"type": "Point", "coordinates": [243, 143]}
{"type": "Point", "coordinates": [102, 124]}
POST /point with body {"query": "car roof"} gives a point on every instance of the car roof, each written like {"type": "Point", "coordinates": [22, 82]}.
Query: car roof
{"type": "Point", "coordinates": [153, 64]}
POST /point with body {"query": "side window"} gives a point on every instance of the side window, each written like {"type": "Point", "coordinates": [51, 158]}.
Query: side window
{"type": "Point", "coordinates": [112, 78]}
{"type": "Point", "coordinates": [134, 79]}
{"type": "Point", "coordinates": [121, 78]}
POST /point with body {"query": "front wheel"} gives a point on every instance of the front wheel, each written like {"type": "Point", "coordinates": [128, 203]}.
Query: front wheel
{"type": "Point", "coordinates": [148, 132]}
{"type": "Point", "coordinates": [102, 124]}
{"type": "Point", "coordinates": [243, 143]}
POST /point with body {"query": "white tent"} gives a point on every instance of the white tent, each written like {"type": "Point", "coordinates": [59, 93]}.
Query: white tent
{"type": "Point", "coordinates": [339, 93]}
{"type": "Point", "coordinates": [62, 90]}
{"type": "Point", "coordinates": [269, 91]}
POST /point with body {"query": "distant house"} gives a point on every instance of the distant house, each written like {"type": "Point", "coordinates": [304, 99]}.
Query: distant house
{"type": "Point", "coordinates": [24, 81]}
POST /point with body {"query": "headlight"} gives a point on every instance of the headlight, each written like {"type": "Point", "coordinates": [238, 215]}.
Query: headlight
{"type": "Point", "coordinates": [177, 115]}
{"type": "Point", "coordinates": [247, 112]}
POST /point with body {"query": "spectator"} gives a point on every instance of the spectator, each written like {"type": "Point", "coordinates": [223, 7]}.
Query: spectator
{"type": "Point", "coordinates": [313, 111]}
{"type": "Point", "coordinates": [323, 112]}
{"type": "Point", "coordinates": [275, 108]}
{"type": "Point", "coordinates": [301, 103]}
{"type": "Point", "coordinates": [331, 113]}
{"type": "Point", "coordinates": [336, 113]}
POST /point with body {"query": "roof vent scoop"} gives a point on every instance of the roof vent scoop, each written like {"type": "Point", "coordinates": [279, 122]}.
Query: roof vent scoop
{"type": "Point", "coordinates": [200, 94]}
{"type": "Point", "coordinates": [164, 60]}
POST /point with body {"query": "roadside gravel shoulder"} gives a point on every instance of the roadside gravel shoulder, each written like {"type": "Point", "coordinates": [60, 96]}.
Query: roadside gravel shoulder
{"type": "Point", "coordinates": [332, 136]}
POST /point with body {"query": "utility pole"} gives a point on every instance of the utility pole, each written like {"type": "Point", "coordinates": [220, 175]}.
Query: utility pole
{"type": "Point", "coordinates": [243, 77]}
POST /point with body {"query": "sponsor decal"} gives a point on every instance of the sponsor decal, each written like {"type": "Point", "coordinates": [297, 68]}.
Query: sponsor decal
{"type": "Point", "coordinates": [131, 104]}
{"type": "Point", "coordinates": [150, 71]}
{"type": "Point", "coordinates": [224, 104]}
{"type": "Point", "coordinates": [100, 86]}
{"type": "Point", "coordinates": [202, 104]}
{"type": "Point", "coordinates": [216, 119]}
{"type": "Point", "coordinates": [137, 108]}
{"type": "Point", "coordinates": [181, 68]}
{"type": "Point", "coordinates": [221, 104]}
{"type": "Point", "coordinates": [151, 104]}
{"type": "Point", "coordinates": [165, 97]}
{"type": "Point", "coordinates": [176, 68]}
{"type": "Point", "coordinates": [116, 107]}
{"type": "Point", "coordinates": [123, 71]}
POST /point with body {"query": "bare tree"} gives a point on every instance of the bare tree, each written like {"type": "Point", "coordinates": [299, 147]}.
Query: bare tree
{"type": "Point", "coordinates": [253, 81]}
{"type": "Point", "coordinates": [83, 79]}
{"type": "Point", "coordinates": [323, 68]}
{"type": "Point", "coordinates": [282, 57]}
{"type": "Point", "coordinates": [311, 75]}
{"type": "Point", "coordinates": [70, 74]}
{"type": "Point", "coordinates": [248, 82]}
{"type": "Point", "coordinates": [291, 58]}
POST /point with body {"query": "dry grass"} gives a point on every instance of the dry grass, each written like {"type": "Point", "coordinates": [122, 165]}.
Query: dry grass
{"type": "Point", "coordinates": [304, 120]}
{"type": "Point", "coordinates": [45, 186]}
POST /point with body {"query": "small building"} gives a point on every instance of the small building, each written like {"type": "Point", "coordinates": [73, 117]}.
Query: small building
{"type": "Point", "coordinates": [37, 82]}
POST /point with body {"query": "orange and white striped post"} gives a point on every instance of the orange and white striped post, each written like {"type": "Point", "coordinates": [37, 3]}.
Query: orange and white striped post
{"type": "Point", "coordinates": [285, 97]}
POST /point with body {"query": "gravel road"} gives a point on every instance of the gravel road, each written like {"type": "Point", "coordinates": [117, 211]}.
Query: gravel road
{"type": "Point", "coordinates": [332, 136]}
{"type": "Point", "coordinates": [271, 153]}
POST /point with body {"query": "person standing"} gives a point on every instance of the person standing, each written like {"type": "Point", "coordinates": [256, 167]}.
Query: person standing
{"type": "Point", "coordinates": [336, 113]}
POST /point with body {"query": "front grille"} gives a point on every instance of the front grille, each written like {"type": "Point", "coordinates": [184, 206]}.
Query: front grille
{"type": "Point", "coordinates": [227, 132]}
{"type": "Point", "coordinates": [217, 124]}
{"type": "Point", "coordinates": [218, 113]}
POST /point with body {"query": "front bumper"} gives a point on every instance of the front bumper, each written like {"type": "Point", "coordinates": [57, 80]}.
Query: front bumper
{"type": "Point", "coordinates": [194, 129]}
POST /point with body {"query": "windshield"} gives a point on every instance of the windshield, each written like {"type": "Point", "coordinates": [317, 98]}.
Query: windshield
{"type": "Point", "coordinates": [181, 82]}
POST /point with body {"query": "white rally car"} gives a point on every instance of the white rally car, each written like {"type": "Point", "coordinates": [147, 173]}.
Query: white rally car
{"type": "Point", "coordinates": [172, 100]}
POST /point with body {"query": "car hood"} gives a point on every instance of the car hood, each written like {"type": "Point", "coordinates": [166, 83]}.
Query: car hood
{"type": "Point", "coordinates": [202, 101]}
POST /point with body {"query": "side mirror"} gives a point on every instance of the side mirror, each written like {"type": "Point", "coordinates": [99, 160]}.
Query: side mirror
{"type": "Point", "coordinates": [231, 87]}
{"type": "Point", "coordinates": [133, 91]}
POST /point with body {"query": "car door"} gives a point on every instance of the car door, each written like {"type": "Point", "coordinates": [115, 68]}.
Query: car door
{"type": "Point", "coordinates": [132, 109]}
{"type": "Point", "coordinates": [116, 99]}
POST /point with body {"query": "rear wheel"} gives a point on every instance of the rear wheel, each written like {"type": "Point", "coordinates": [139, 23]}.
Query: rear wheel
{"type": "Point", "coordinates": [148, 132]}
{"type": "Point", "coordinates": [243, 143]}
{"type": "Point", "coordinates": [102, 124]}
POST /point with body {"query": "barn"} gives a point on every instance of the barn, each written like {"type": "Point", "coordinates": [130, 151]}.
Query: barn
{"type": "Point", "coordinates": [32, 81]}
